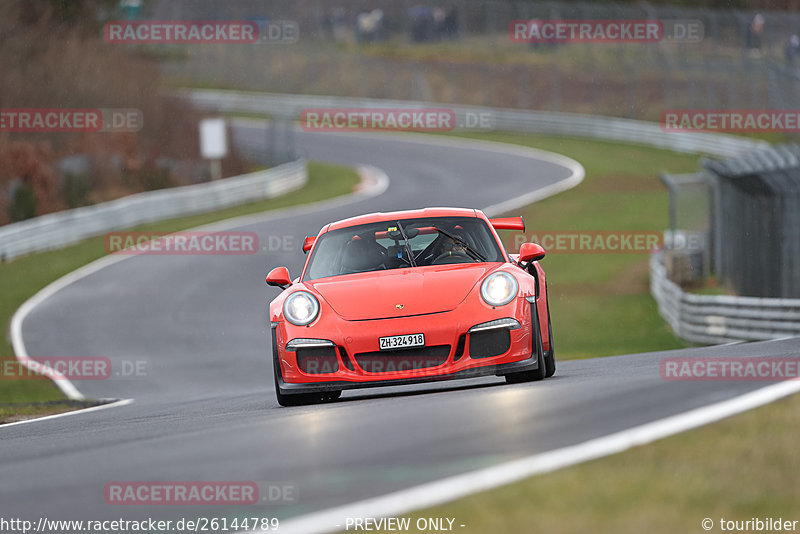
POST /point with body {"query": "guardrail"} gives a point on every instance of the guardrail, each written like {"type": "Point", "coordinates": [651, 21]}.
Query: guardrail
{"type": "Point", "coordinates": [695, 318]}
{"type": "Point", "coordinates": [506, 119]}
{"type": "Point", "coordinates": [56, 230]}
{"type": "Point", "coordinates": [721, 318]}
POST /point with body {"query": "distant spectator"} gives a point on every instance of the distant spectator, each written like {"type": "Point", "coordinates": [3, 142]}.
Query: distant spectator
{"type": "Point", "coordinates": [438, 22]}
{"type": "Point", "coordinates": [754, 38]}
{"type": "Point", "coordinates": [450, 23]}
{"type": "Point", "coordinates": [369, 26]}
{"type": "Point", "coordinates": [130, 9]}
{"type": "Point", "coordinates": [339, 24]}
{"type": "Point", "coordinates": [422, 23]}
{"type": "Point", "coordinates": [792, 49]}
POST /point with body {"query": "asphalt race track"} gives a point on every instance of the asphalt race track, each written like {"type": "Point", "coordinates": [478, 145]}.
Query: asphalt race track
{"type": "Point", "coordinates": [205, 408]}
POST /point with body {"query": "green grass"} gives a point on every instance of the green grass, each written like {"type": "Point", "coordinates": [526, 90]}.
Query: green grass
{"type": "Point", "coordinates": [601, 303]}
{"type": "Point", "coordinates": [11, 412]}
{"type": "Point", "coordinates": [743, 467]}
{"type": "Point", "coordinates": [23, 277]}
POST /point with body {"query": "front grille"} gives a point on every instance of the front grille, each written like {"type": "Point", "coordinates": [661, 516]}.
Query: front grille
{"type": "Point", "coordinates": [403, 360]}
{"type": "Point", "coordinates": [317, 360]}
{"type": "Point", "coordinates": [489, 343]}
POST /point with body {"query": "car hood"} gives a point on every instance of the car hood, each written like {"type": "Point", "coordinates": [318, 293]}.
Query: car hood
{"type": "Point", "coordinates": [400, 292]}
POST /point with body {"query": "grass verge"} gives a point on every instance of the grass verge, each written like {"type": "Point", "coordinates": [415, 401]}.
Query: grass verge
{"type": "Point", "coordinates": [601, 305]}
{"type": "Point", "coordinates": [600, 302]}
{"type": "Point", "coordinates": [729, 470]}
{"type": "Point", "coordinates": [21, 278]}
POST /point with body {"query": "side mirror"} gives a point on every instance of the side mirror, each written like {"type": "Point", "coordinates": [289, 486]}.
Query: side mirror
{"type": "Point", "coordinates": [279, 276]}
{"type": "Point", "coordinates": [530, 252]}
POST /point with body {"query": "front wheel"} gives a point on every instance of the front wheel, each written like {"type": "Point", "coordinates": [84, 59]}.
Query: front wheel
{"type": "Point", "coordinates": [550, 355]}
{"type": "Point", "coordinates": [541, 371]}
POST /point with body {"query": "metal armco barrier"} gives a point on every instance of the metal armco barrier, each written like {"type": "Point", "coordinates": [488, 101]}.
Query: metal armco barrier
{"type": "Point", "coordinates": [716, 319]}
{"type": "Point", "coordinates": [56, 230]}
{"type": "Point", "coordinates": [695, 318]}
{"type": "Point", "coordinates": [505, 119]}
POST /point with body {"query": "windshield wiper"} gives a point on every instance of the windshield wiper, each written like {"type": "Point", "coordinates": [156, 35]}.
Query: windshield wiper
{"type": "Point", "coordinates": [474, 254]}
{"type": "Point", "coordinates": [411, 259]}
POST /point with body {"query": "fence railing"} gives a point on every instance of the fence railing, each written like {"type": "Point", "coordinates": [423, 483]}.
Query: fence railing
{"type": "Point", "coordinates": [505, 119]}
{"type": "Point", "coordinates": [721, 318]}
{"type": "Point", "coordinates": [56, 230]}
{"type": "Point", "coordinates": [730, 67]}
{"type": "Point", "coordinates": [758, 248]}
{"type": "Point", "coordinates": [696, 318]}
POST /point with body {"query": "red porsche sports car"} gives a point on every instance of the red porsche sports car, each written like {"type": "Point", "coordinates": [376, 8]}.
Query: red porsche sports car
{"type": "Point", "coordinates": [406, 297]}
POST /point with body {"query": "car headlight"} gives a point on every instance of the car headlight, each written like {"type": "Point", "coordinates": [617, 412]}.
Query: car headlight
{"type": "Point", "coordinates": [300, 308]}
{"type": "Point", "coordinates": [499, 288]}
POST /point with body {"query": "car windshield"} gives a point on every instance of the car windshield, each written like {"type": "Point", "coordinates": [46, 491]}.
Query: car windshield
{"type": "Point", "coordinates": [403, 243]}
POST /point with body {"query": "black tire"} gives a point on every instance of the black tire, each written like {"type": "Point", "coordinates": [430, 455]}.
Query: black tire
{"type": "Point", "coordinates": [541, 371]}
{"type": "Point", "coordinates": [550, 355]}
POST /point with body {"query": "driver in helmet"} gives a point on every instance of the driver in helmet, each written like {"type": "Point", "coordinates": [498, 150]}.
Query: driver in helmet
{"type": "Point", "coordinates": [451, 247]}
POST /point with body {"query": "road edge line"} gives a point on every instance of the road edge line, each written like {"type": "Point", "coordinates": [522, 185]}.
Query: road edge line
{"type": "Point", "coordinates": [377, 187]}
{"type": "Point", "coordinates": [455, 487]}
{"type": "Point", "coordinates": [111, 404]}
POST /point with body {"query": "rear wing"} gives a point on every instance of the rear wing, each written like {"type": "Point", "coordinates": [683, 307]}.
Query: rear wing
{"type": "Point", "coordinates": [508, 223]}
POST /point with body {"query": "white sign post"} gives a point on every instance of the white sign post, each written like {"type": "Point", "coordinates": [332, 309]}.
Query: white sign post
{"type": "Point", "coordinates": [214, 144]}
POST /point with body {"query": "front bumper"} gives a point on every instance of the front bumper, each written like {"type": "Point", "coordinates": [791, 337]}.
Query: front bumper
{"type": "Point", "coordinates": [529, 364]}
{"type": "Point", "coordinates": [350, 339]}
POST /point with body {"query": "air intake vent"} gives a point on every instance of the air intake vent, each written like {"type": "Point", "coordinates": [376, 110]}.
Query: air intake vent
{"type": "Point", "coordinates": [489, 343]}
{"type": "Point", "coordinates": [403, 360]}
{"type": "Point", "coordinates": [317, 360]}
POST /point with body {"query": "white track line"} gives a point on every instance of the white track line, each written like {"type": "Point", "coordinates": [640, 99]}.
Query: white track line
{"type": "Point", "coordinates": [377, 180]}
{"type": "Point", "coordinates": [578, 173]}
{"type": "Point", "coordinates": [451, 488]}
{"type": "Point", "coordinates": [374, 183]}
{"type": "Point", "coordinates": [22, 312]}
{"type": "Point", "coordinates": [114, 404]}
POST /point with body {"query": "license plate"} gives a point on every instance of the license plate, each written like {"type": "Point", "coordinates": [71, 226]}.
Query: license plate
{"type": "Point", "coordinates": [401, 342]}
